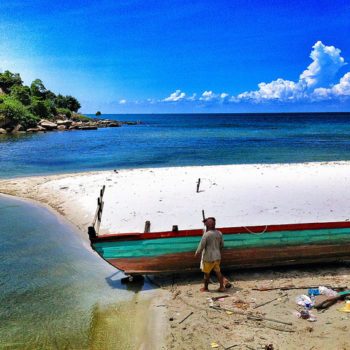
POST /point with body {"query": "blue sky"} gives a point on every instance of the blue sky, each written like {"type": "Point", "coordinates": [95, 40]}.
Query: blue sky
{"type": "Point", "coordinates": [183, 56]}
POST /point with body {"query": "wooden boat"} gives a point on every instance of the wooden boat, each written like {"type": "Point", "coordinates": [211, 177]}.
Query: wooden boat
{"type": "Point", "coordinates": [253, 246]}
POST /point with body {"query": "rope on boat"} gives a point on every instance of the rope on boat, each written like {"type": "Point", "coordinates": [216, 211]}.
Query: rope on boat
{"type": "Point", "coordinates": [256, 233]}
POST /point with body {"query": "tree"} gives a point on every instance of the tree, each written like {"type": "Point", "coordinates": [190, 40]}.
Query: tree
{"type": "Point", "coordinates": [72, 103]}
{"type": "Point", "coordinates": [38, 89]}
{"type": "Point", "coordinates": [22, 94]}
{"type": "Point", "coordinates": [40, 108]}
{"type": "Point", "coordinates": [8, 80]}
{"type": "Point", "coordinates": [98, 113]}
{"type": "Point", "coordinates": [17, 113]}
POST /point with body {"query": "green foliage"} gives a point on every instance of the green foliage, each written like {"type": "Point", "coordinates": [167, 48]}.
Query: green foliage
{"type": "Point", "coordinates": [64, 111]}
{"type": "Point", "coordinates": [22, 94]}
{"type": "Point", "coordinates": [40, 108]}
{"type": "Point", "coordinates": [8, 80]}
{"type": "Point", "coordinates": [38, 89]}
{"type": "Point", "coordinates": [27, 105]}
{"type": "Point", "coordinates": [81, 117]}
{"type": "Point", "coordinates": [98, 113]}
{"type": "Point", "coordinates": [17, 113]}
{"type": "Point", "coordinates": [69, 102]}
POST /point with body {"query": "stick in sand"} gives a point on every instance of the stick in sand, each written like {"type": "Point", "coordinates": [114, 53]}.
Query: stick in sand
{"type": "Point", "coordinates": [191, 313]}
{"type": "Point", "coordinates": [270, 301]}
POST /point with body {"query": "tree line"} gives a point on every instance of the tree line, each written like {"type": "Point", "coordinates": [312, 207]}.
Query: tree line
{"type": "Point", "coordinates": [26, 105]}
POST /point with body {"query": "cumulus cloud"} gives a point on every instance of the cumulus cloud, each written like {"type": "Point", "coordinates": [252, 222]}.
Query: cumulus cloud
{"type": "Point", "coordinates": [326, 62]}
{"type": "Point", "coordinates": [316, 83]}
{"type": "Point", "coordinates": [122, 102]}
{"type": "Point", "coordinates": [176, 96]}
{"type": "Point", "coordinates": [342, 89]}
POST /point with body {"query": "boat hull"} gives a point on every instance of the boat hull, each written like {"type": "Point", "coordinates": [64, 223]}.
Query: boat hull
{"type": "Point", "coordinates": [235, 259]}
{"type": "Point", "coordinates": [166, 252]}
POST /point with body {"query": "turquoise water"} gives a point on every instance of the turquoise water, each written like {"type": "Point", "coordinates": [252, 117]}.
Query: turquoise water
{"type": "Point", "coordinates": [55, 292]}
{"type": "Point", "coordinates": [178, 140]}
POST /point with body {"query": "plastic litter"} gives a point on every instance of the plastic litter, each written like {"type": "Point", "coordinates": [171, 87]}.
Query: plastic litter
{"type": "Point", "coordinates": [346, 307]}
{"type": "Point", "coordinates": [214, 344]}
{"type": "Point", "coordinates": [313, 291]}
{"type": "Point", "coordinates": [305, 315]}
{"type": "Point", "coordinates": [305, 301]}
{"type": "Point", "coordinates": [327, 291]}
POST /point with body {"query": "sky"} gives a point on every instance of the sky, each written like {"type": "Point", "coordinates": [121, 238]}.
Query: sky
{"type": "Point", "coordinates": [183, 56]}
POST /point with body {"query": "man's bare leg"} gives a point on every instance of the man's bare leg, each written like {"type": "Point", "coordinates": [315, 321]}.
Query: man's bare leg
{"type": "Point", "coordinates": [221, 280]}
{"type": "Point", "coordinates": [206, 282]}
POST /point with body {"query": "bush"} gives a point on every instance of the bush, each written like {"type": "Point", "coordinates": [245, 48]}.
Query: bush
{"type": "Point", "coordinates": [39, 108]}
{"type": "Point", "coordinates": [64, 111]}
{"type": "Point", "coordinates": [17, 113]}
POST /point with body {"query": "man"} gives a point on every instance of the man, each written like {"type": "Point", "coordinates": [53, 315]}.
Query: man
{"type": "Point", "coordinates": [210, 246]}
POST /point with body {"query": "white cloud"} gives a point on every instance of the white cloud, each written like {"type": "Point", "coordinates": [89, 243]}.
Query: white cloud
{"type": "Point", "coordinates": [176, 96]}
{"type": "Point", "coordinates": [342, 89]}
{"type": "Point", "coordinates": [321, 72]}
{"type": "Point", "coordinates": [122, 102]}
{"type": "Point", "coordinates": [326, 63]}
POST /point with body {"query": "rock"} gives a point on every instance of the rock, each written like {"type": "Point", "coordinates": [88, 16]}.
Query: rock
{"type": "Point", "coordinates": [114, 125]}
{"type": "Point", "coordinates": [61, 127]}
{"type": "Point", "coordinates": [38, 129]}
{"type": "Point", "coordinates": [66, 122]}
{"type": "Point", "coordinates": [17, 129]}
{"type": "Point", "coordinates": [47, 124]}
{"type": "Point", "coordinates": [2, 131]}
{"type": "Point", "coordinates": [88, 127]}
{"type": "Point", "coordinates": [4, 121]}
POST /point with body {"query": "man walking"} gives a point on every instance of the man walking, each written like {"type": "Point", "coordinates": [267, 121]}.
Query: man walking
{"type": "Point", "coordinates": [210, 246]}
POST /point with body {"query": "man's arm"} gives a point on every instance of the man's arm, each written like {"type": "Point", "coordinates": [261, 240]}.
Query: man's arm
{"type": "Point", "coordinates": [201, 245]}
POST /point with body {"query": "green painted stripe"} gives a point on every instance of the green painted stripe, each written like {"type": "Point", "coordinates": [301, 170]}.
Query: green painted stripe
{"type": "Point", "coordinates": [162, 246]}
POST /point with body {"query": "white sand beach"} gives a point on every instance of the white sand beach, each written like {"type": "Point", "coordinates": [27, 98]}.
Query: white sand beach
{"type": "Point", "coordinates": [235, 194]}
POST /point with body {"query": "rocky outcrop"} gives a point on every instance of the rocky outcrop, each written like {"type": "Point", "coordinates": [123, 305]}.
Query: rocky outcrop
{"type": "Point", "coordinates": [61, 127]}
{"type": "Point", "coordinates": [47, 124]}
{"type": "Point", "coordinates": [2, 131]}
{"type": "Point", "coordinates": [37, 129]}
{"type": "Point", "coordinates": [66, 122]}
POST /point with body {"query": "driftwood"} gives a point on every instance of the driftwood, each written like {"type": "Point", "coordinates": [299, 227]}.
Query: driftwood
{"type": "Point", "coordinates": [268, 302]}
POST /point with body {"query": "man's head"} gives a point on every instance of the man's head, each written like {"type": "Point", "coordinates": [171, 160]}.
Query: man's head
{"type": "Point", "coordinates": [210, 223]}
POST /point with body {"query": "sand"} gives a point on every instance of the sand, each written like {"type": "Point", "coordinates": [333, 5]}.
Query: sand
{"type": "Point", "coordinates": [236, 195]}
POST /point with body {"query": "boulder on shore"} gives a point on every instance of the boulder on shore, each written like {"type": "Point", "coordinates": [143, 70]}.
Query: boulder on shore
{"type": "Point", "coordinates": [2, 131]}
{"type": "Point", "coordinates": [47, 124]}
{"type": "Point", "coordinates": [18, 128]}
{"type": "Point", "coordinates": [61, 127]}
{"type": "Point", "coordinates": [67, 122]}
{"type": "Point", "coordinates": [37, 129]}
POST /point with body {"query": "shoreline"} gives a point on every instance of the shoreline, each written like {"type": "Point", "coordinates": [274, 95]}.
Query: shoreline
{"type": "Point", "coordinates": [236, 195]}
{"type": "Point", "coordinates": [239, 195]}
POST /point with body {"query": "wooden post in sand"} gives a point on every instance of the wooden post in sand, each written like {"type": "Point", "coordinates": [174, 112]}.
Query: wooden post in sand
{"type": "Point", "coordinates": [147, 226]}
{"type": "Point", "coordinates": [198, 184]}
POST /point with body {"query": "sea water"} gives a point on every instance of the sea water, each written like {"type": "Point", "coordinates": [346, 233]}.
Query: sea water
{"type": "Point", "coordinates": [180, 140]}
{"type": "Point", "coordinates": [55, 292]}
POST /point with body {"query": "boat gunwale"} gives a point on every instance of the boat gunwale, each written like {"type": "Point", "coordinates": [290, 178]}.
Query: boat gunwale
{"type": "Point", "coordinates": [225, 231]}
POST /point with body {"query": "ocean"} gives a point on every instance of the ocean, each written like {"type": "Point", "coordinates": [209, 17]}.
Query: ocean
{"type": "Point", "coordinates": [164, 140]}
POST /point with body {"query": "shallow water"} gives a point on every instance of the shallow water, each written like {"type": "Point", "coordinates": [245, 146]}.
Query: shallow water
{"type": "Point", "coordinates": [55, 292]}
{"type": "Point", "coordinates": [179, 140]}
